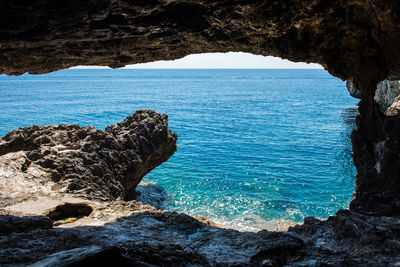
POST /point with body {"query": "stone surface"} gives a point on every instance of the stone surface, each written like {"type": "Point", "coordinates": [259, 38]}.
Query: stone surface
{"type": "Point", "coordinates": [139, 235]}
{"type": "Point", "coordinates": [376, 149]}
{"type": "Point", "coordinates": [354, 92]}
{"type": "Point", "coordinates": [94, 164]}
{"type": "Point", "coordinates": [355, 40]}
{"type": "Point", "coordinates": [385, 94]}
{"type": "Point", "coordinates": [394, 108]}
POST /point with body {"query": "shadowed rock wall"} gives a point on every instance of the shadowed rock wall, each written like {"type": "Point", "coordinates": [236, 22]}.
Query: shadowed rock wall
{"type": "Point", "coordinates": [353, 39]}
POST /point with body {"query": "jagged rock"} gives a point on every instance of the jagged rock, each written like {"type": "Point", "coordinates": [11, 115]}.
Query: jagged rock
{"type": "Point", "coordinates": [139, 235]}
{"type": "Point", "coordinates": [354, 92]}
{"type": "Point", "coordinates": [356, 39]}
{"type": "Point", "coordinates": [63, 228]}
{"type": "Point", "coordinates": [95, 164]}
{"type": "Point", "coordinates": [386, 93]}
{"type": "Point", "coordinates": [394, 108]}
{"type": "Point", "coordinates": [376, 149]}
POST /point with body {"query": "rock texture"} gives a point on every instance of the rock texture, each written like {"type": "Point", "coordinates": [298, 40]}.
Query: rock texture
{"type": "Point", "coordinates": [89, 163]}
{"type": "Point", "coordinates": [394, 108]}
{"type": "Point", "coordinates": [354, 92]}
{"type": "Point", "coordinates": [133, 234]}
{"type": "Point", "coordinates": [376, 149]}
{"type": "Point", "coordinates": [385, 94]}
{"type": "Point", "coordinates": [356, 39]}
{"type": "Point", "coordinates": [43, 223]}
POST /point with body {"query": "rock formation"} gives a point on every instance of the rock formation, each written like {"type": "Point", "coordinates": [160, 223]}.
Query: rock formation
{"type": "Point", "coordinates": [354, 92]}
{"type": "Point", "coordinates": [132, 234]}
{"type": "Point", "coordinates": [375, 144]}
{"type": "Point", "coordinates": [354, 40]}
{"type": "Point", "coordinates": [89, 163]}
{"type": "Point", "coordinates": [385, 94]}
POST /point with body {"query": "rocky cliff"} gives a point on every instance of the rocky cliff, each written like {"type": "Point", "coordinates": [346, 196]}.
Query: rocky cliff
{"type": "Point", "coordinates": [88, 163]}
{"type": "Point", "coordinates": [375, 149]}
{"type": "Point", "coordinates": [43, 223]}
{"type": "Point", "coordinates": [385, 94]}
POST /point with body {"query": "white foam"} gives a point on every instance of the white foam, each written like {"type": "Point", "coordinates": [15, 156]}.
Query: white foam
{"type": "Point", "coordinates": [254, 223]}
{"type": "Point", "coordinates": [153, 194]}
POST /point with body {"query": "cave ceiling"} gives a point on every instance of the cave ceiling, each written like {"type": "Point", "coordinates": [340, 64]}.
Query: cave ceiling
{"type": "Point", "coordinates": [352, 39]}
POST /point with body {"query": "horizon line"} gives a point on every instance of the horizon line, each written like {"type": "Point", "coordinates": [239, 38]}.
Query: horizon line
{"type": "Point", "coordinates": [211, 68]}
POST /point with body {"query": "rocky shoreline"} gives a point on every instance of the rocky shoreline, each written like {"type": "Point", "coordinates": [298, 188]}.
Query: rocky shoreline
{"type": "Point", "coordinates": [45, 221]}
{"type": "Point", "coordinates": [353, 40]}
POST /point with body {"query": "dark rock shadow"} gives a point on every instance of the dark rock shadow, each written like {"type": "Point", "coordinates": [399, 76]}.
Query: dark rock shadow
{"type": "Point", "coordinates": [349, 115]}
{"type": "Point", "coordinates": [149, 193]}
{"type": "Point", "coordinates": [141, 239]}
{"type": "Point", "coordinates": [163, 238]}
{"type": "Point", "coordinates": [21, 224]}
{"type": "Point", "coordinates": [344, 158]}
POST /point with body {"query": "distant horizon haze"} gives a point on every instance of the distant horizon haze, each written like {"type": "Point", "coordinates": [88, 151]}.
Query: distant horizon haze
{"type": "Point", "coordinates": [230, 60]}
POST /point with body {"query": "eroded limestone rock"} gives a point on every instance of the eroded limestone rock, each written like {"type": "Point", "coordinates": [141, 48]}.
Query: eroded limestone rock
{"type": "Point", "coordinates": [385, 94]}
{"type": "Point", "coordinates": [83, 161]}
{"type": "Point", "coordinates": [376, 149]}
{"type": "Point", "coordinates": [356, 39]}
{"type": "Point", "coordinates": [139, 235]}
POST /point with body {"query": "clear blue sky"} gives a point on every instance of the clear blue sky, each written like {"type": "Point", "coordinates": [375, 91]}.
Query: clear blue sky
{"type": "Point", "coordinates": [224, 60]}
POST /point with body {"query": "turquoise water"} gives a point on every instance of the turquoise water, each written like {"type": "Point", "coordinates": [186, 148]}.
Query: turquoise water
{"type": "Point", "coordinates": [254, 145]}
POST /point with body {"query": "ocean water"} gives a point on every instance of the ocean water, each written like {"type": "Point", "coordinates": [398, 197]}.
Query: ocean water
{"type": "Point", "coordinates": [255, 147]}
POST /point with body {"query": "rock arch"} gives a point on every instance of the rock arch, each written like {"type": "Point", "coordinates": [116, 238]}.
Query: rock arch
{"type": "Point", "coordinates": [353, 39]}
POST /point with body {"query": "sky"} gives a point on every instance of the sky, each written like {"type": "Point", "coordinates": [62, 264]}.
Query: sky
{"type": "Point", "coordinates": [235, 60]}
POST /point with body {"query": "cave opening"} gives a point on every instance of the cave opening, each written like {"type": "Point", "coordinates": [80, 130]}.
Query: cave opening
{"type": "Point", "coordinates": [257, 148]}
{"type": "Point", "coordinates": [352, 40]}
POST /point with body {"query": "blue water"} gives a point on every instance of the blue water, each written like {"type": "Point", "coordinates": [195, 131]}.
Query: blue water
{"type": "Point", "coordinates": [253, 144]}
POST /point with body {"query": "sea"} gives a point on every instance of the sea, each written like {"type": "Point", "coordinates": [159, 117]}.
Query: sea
{"type": "Point", "coordinates": [257, 148]}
